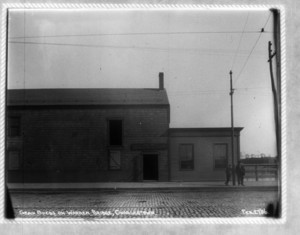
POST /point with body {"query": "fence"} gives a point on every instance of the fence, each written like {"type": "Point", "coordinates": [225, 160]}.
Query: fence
{"type": "Point", "coordinates": [261, 171]}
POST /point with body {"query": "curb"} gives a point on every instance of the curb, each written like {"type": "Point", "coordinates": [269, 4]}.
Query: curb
{"type": "Point", "coordinates": [169, 189]}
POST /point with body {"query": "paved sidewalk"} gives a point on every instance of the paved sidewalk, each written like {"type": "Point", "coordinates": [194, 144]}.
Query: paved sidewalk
{"type": "Point", "coordinates": [171, 203]}
{"type": "Point", "coordinates": [254, 185]}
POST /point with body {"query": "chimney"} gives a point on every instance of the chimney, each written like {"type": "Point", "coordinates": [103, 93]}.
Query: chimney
{"type": "Point", "coordinates": [161, 81]}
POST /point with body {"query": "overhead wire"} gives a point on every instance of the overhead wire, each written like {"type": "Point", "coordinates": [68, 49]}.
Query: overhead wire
{"type": "Point", "coordinates": [251, 88]}
{"type": "Point", "coordinates": [151, 48]}
{"type": "Point", "coordinates": [248, 57]}
{"type": "Point", "coordinates": [214, 92]}
{"type": "Point", "coordinates": [135, 34]}
{"type": "Point", "coordinates": [233, 62]}
{"type": "Point", "coordinates": [185, 50]}
{"type": "Point", "coordinates": [266, 94]}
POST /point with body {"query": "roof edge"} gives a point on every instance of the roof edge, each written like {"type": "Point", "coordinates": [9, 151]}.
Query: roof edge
{"type": "Point", "coordinates": [86, 96]}
{"type": "Point", "coordinates": [196, 129]}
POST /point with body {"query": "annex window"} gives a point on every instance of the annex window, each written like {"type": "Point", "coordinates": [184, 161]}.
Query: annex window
{"type": "Point", "coordinates": [13, 160]}
{"type": "Point", "coordinates": [14, 126]}
{"type": "Point", "coordinates": [186, 156]}
{"type": "Point", "coordinates": [220, 156]}
{"type": "Point", "coordinates": [115, 128]}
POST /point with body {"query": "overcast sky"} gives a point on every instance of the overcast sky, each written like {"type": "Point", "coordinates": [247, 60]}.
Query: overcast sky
{"type": "Point", "coordinates": [127, 49]}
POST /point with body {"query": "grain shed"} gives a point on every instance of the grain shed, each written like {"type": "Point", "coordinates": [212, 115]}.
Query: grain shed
{"type": "Point", "coordinates": [87, 135]}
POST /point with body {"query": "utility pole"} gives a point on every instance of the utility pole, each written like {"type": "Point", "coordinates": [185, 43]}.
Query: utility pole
{"type": "Point", "coordinates": [275, 99]}
{"type": "Point", "coordinates": [232, 130]}
{"type": "Point", "coordinates": [277, 110]}
{"type": "Point", "coordinates": [277, 42]}
{"type": "Point", "coordinates": [275, 96]}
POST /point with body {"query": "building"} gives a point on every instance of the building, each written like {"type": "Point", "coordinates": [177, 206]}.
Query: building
{"type": "Point", "coordinates": [107, 135]}
{"type": "Point", "coordinates": [200, 154]}
{"type": "Point", "coordinates": [87, 135]}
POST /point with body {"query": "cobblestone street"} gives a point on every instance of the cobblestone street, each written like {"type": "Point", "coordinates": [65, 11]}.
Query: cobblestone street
{"type": "Point", "coordinates": [141, 204]}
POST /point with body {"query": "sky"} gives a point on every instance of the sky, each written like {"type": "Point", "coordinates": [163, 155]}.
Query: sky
{"type": "Point", "coordinates": [127, 49]}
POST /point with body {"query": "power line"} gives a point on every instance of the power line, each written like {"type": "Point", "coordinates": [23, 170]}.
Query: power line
{"type": "Point", "coordinates": [267, 20]}
{"type": "Point", "coordinates": [198, 91]}
{"type": "Point", "coordinates": [262, 30]}
{"type": "Point", "coordinates": [240, 41]}
{"type": "Point", "coordinates": [211, 93]}
{"type": "Point", "coordinates": [186, 50]}
{"type": "Point", "coordinates": [137, 34]}
{"type": "Point", "coordinates": [252, 88]}
{"type": "Point", "coordinates": [192, 92]}
{"type": "Point", "coordinates": [247, 59]}
{"type": "Point", "coordinates": [258, 94]}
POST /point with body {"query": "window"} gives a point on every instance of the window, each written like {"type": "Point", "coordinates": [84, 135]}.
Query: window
{"type": "Point", "coordinates": [13, 160]}
{"type": "Point", "coordinates": [186, 156]}
{"type": "Point", "coordinates": [14, 126]}
{"type": "Point", "coordinates": [220, 156]}
{"type": "Point", "coordinates": [115, 132]}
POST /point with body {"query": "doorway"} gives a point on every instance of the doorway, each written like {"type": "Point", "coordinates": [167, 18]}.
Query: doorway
{"type": "Point", "coordinates": [150, 167]}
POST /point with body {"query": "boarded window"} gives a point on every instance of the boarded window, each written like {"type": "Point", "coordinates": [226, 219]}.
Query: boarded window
{"type": "Point", "coordinates": [115, 132]}
{"type": "Point", "coordinates": [220, 156]}
{"type": "Point", "coordinates": [13, 160]}
{"type": "Point", "coordinates": [114, 160]}
{"type": "Point", "coordinates": [186, 156]}
{"type": "Point", "coordinates": [14, 126]}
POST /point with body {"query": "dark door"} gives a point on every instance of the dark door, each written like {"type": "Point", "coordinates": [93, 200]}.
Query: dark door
{"type": "Point", "coordinates": [150, 167]}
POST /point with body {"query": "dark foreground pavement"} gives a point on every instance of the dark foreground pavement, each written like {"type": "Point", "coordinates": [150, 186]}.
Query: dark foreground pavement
{"type": "Point", "coordinates": [141, 203]}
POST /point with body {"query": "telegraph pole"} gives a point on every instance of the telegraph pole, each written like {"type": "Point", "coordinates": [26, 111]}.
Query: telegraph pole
{"type": "Point", "coordinates": [275, 96]}
{"type": "Point", "coordinates": [277, 112]}
{"type": "Point", "coordinates": [232, 130]}
{"type": "Point", "coordinates": [276, 29]}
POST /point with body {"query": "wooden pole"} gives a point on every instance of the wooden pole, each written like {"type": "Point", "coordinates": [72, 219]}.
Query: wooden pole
{"type": "Point", "coordinates": [232, 130]}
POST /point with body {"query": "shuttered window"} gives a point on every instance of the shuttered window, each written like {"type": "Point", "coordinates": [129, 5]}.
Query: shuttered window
{"type": "Point", "coordinates": [114, 160]}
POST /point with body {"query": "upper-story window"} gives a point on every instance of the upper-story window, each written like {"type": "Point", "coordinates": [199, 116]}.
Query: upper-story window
{"type": "Point", "coordinates": [115, 132]}
{"type": "Point", "coordinates": [14, 126]}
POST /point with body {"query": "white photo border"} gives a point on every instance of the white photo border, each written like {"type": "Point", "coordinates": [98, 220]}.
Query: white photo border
{"type": "Point", "coordinates": [142, 7]}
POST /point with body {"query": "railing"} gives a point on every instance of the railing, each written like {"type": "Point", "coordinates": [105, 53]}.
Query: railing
{"type": "Point", "coordinates": [261, 171]}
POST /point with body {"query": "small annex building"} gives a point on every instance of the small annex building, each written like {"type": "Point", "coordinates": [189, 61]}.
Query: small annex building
{"type": "Point", "coordinates": [201, 154]}
{"type": "Point", "coordinates": [107, 135]}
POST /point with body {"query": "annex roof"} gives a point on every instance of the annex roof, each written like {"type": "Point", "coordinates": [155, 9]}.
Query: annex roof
{"type": "Point", "coordinates": [201, 132]}
{"type": "Point", "coordinates": [94, 96]}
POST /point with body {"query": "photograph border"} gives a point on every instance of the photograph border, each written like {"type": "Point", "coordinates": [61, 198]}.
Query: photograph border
{"type": "Point", "coordinates": [143, 7]}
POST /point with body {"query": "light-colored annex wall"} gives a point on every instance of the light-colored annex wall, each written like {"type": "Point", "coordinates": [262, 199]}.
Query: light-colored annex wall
{"type": "Point", "coordinates": [203, 158]}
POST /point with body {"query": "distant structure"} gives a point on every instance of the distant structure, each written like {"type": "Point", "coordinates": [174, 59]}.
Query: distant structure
{"type": "Point", "coordinates": [107, 135]}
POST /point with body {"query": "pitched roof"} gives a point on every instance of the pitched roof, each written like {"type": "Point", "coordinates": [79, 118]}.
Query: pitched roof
{"type": "Point", "coordinates": [44, 97]}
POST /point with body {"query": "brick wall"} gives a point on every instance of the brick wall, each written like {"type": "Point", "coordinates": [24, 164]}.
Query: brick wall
{"type": "Point", "coordinates": [71, 144]}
